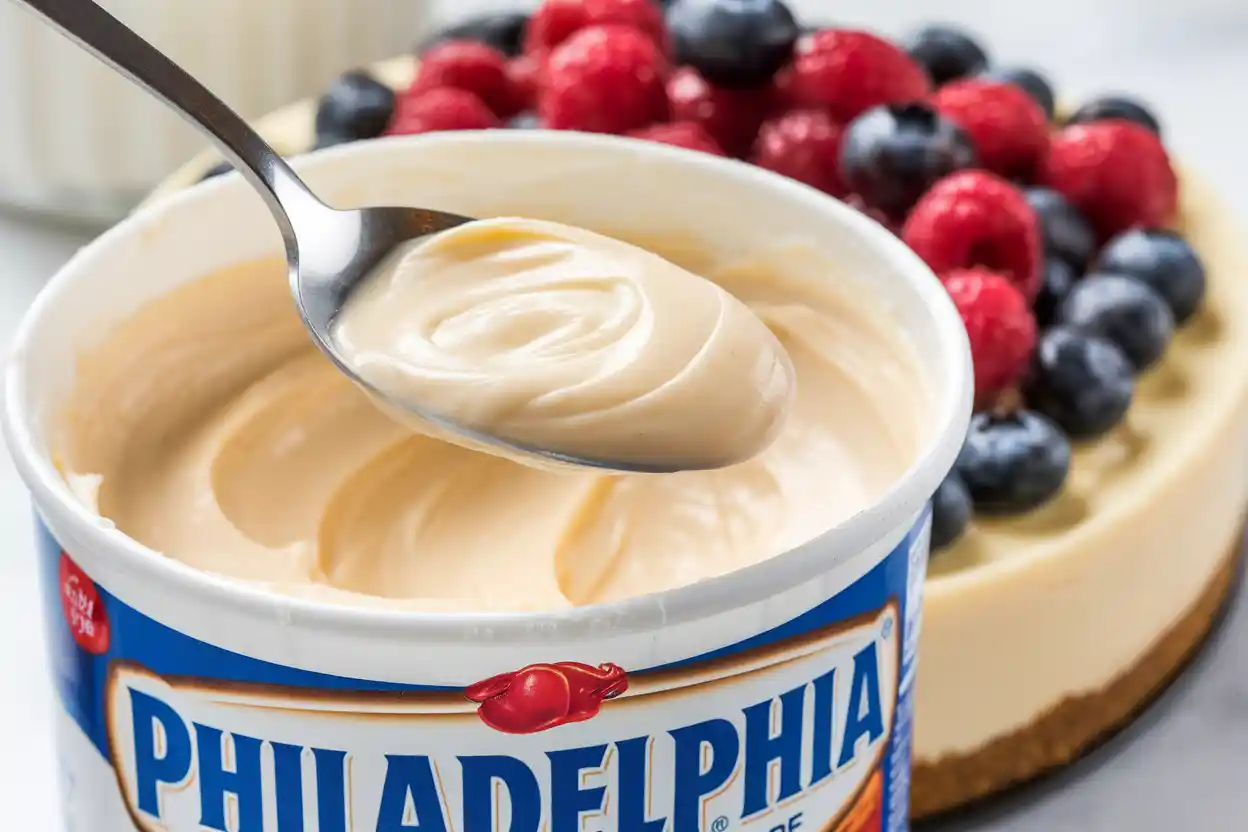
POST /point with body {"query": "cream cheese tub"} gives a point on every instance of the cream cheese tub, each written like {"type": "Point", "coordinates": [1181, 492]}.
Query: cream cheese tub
{"type": "Point", "coordinates": [773, 697]}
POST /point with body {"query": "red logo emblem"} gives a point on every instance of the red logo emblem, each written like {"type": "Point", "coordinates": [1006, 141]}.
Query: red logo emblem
{"type": "Point", "coordinates": [543, 696]}
{"type": "Point", "coordinates": [84, 612]}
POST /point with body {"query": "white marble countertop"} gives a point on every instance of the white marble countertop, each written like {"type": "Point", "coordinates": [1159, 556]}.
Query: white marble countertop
{"type": "Point", "coordinates": [1183, 765]}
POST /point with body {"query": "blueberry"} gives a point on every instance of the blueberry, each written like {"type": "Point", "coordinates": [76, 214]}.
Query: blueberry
{"type": "Point", "coordinates": [502, 30]}
{"type": "Point", "coordinates": [1065, 232]}
{"type": "Point", "coordinates": [1116, 106]}
{"type": "Point", "coordinates": [951, 511]}
{"type": "Point", "coordinates": [1122, 310]}
{"type": "Point", "coordinates": [356, 106]}
{"type": "Point", "coordinates": [1032, 83]}
{"type": "Point", "coordinates": [1013, 462]}
{"type": "Point", "coordinates": [526, 121]}
{"type": "Point", "coordinates": [1059, 277]}
{"type": "Point", "coordinates": [946, 53]}
{"type": "Point", "coordinates": [733, 43]}
{"type": "Point", "coordinates": [216, 170]}
{"type": "Point", "coordinates": [891, 154]}
{"type": "Point", "coordinates": [1163, 260]}
{"type": "Point", "coordinates": [1081, 382]}
{"type": "Point", "coordinates": [325, 140]}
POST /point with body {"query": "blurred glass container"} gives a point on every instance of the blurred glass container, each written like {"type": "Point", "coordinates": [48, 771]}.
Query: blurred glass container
{"type": "Point", "coordinates": [79, 142]}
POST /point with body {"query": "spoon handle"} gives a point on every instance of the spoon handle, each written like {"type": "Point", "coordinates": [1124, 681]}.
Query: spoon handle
{"type": "Point", "coordinates": [101, 34]}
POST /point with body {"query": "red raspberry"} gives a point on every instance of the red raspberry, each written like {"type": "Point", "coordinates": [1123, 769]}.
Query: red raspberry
{"type": "Point", "coordinates": [1116, 172]}
{"type": "Point", "coordinates": [471, 66]}
{"type": "Point", "coordinates": [974, 218]}
{"type": "Point", "coordinates": [1008, 128]}
{"type": "Point", "coordinates": [557, 20]}
{"type": "Point", "coordinates": [686, 134]}
{"type": "Point", "coordinates": [604, 79]}
{"type": "Point", "coordinates": [847, 72]}
{"type": "Point", "coordinates": [441, 109]}
{"type": "Point", "coordinates": [999, 325]}
{"type": "Point", "coordinates": [525, 74]}
{"type": "Point", "coordinates": [731, 116]}
{"type": "Point", "coordinates": [804, 145]}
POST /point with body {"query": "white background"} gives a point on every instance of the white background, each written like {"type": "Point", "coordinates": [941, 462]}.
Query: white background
{"type": "Point", "coordinates": [1189, 59]}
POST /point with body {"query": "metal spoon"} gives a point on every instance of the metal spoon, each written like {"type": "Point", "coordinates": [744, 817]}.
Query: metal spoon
{"type": "Point", "coordinates": [329, 251]}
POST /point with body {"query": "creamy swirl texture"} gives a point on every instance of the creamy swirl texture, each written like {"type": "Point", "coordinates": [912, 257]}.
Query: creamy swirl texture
{"type": "Point", "coordinates": [208, 427]}
{"type": "Point", "coordinates": [561, 339]}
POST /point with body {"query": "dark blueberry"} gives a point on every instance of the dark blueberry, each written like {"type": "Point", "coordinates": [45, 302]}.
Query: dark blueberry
{"type": "Point", "coordinates": [526, 121]}
{"type": "Point", "coordinates": [356, 106]}
{"type": "Point", "coordinates": [1164, 261]}
{"type": "Point", "coordinates": [216, 170]}
{"type": "Point", "coordinates": [325, 140]}
{"type": "Point", "coordinates": [502, 30]}
{"type": "Point", "coordinates": [1082, 382]}
{"type": "Point", "coordinates": [891, 154]}
{"type": "Point", "coordinates": [1122, 310]}
{"type": "Point", "coordinates": [951, 511]}
{"type": "Point", "coordinates": [1032, 82]}
{"type": "Point", "coordinates": [1065, 232]}
{"type": "Point", "coordinates": [733, 43]}
{"type": "Point", "coordinates": [1116, 106]}
{"type": "Point", "coordinates": [946, 53]}
{"type": "Point", "coordinates": [1058, 278]}
{"type": "Point", "coordinates": [1013, 462]}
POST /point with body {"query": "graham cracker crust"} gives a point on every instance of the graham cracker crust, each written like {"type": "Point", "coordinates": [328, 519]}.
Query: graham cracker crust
{"type": "Point", "coordinates": [1076, 724]}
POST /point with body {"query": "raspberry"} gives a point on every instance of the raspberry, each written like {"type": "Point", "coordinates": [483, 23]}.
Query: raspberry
{"type": "Point", "coordinates": [440, 109]}
{"type": "Point", "coordinates": [999, 325]}
{"type": "Point", "coordinates": [471, 66]}
{"type": "Point", "coordinates": [557, 20]}
{"type": "Point", "coordinates": [731, 116]}
{"type": "Point", "coordinates": [604, 79]}
{"type": "Point", "coordinates": [1007, 127]}
{"type": "Point", "coordinates": [525, 75]}
{"type": "Point", "coordinates": [974, 218]}
{"type": "Point", "coordinates": [847, 72]}
{"type": "Point", "coordinates": [686, 134]}
{"type": "Point", "coordinates": [804, 145]}
{"type": "Point", "coordinates": [1116, 172]}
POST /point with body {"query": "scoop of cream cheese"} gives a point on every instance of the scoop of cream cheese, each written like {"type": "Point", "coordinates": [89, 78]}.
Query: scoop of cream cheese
{"type": "Point", "coordinates": [209, 428]}
{"type": "Point", "coordinates": [568, 341]}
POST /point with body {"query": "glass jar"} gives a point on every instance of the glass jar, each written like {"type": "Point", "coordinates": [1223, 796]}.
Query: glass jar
{"type": "Point", "coordinates": [82, 143]}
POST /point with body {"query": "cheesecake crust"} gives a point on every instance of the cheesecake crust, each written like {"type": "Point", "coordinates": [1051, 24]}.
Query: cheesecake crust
{"type": "Point", "coordinates": [1077, 724]}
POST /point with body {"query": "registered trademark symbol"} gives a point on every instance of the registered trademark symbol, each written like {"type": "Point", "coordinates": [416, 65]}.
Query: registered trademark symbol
{"type": "Point", "coordinates": [720, 824]}
{"type": "Point", "coordinates": [887, 628]}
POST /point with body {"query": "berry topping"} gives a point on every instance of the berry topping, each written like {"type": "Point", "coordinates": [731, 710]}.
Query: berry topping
{"type": "Point", "coordinates": [1058, 278]}
{"type": "Point", "coordinates": [216, 170]}
{"type": "Point", "coordinates": [893, 153]}
{"type": "Point", "coordinates": [502, 30]}
{"type": "Point", "coordinates": [734, 43]}
{"type": "Point", "coordinates": [1116, 107]}
{"type": "Point", "coordinates": [973, 218]}
{"type": "Point", "coordinates": [847, 72]}
{"type": "Point", "coordinates": [1081, 382]}
{"type": "Point", "coordinates": [557, 20]}
{"type": "Point", "coordinates": [951, 511]}
{"type": "Point", "coordinates": [440, 109]}
{"type": "Point", "coordinates": [731, 116]}
{"type": "Point", "coordinates": [1115, 172]}
{"type": "Point", "coordinates": [1065, 232]}
{"type": "Point", "coordinates": [803, 145]}
{"type": "Point", "coordinates": [1008, 128]}
{"type": "Point", "coordinates": [604, 79]}
{"type": "Point", "coordinates": [526, 121]}
{"type": "Point", "coordinates": [1031, 82]}
{"type": "Point", "coordinates": [1164, 261]}
{"type": "Point", "coordinates": [1121, 310]}
{"type": "Point", "coordinates": [471, 66]}
{"type": "Point", "coordinates": [1012, 463]}
{"type": "Point", "coordinates": [524, 73]}
{"type": "Point", "coordinates": [356, 106]}
{"type": "Point", "coordinates": [686, 134]}
{"type": "Point", "coordinates": [999, 326]}
{"type": "Point", "coordinates": [946, 53]}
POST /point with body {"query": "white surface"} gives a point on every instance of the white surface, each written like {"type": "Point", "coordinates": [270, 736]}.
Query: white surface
{"type": "Point", "coordinates": [1188, 59]}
